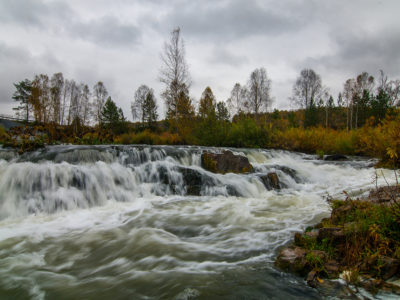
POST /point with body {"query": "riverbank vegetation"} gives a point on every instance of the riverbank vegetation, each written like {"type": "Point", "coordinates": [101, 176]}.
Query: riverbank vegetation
{"type": "Point", "coordinates": [273, 130]}
{"type": "Point", "coordinates": [359, 242]}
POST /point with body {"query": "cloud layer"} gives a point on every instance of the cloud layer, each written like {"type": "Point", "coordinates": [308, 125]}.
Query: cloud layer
{"type": "Point", "coordinates": [119, 42]}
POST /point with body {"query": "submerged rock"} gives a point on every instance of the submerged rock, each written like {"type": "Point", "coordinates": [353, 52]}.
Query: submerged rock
{"type": "Point", "coordinates": [193, 180]}
{"type": "Point", "coordinates": [226, 162]}
{"type": "Point", "coordinates": [271, 181]}
{"type": "Point", "coordinates": [334, 289]}
{"type": "Point", "coordinates": [292, 259]}
{"type": "Point", "coordinates": [336, 157]}
{"type": "Point", "coordinates": [291, 172]}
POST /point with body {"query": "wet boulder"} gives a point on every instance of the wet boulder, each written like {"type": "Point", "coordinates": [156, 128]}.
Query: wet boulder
{"type": "Point", "coordinates": [390, 267]}
{"type": "Point", "coordinates": [312, 278]}
{"type": "Point", "coordinates": [302, 240]}
{"type": "Point", "coordinates": [225, 162]}
{"type": "Point", "coordinates": [332, 268]}
{"type": "Point", "coordinates": [288, 171]}
{"type": "Point", "coordinates": [293, 259]}
{"type": "Point", "coordinates": [194, 180]}
{"type": "Point", "coordinates": [271, 181]}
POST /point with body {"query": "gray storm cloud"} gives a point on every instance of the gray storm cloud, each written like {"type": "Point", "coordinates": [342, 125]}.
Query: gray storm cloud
{"type": "Point", "coordinates": [119, 42]}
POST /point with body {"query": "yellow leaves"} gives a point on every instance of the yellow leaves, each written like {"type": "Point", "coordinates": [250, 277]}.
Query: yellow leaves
{"type": "Point", "coordinates": [392, 153]}
{"type": "Point", "coordinates": [148, 137]}
{"type": "Point", "coordinates": [312, 139]}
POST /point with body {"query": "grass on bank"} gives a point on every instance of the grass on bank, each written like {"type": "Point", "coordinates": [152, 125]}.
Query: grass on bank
{"type": "Point", "coordinates": [369, 239]}
{"type": "Point", "coordinates": [380, 140]}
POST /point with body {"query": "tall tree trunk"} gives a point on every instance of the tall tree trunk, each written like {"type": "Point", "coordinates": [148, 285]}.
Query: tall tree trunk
{"type": "Point", "coordinates": [326, 116]}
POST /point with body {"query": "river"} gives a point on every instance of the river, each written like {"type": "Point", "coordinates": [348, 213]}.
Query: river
{"type": "Point", "coordinates": [116, 222]}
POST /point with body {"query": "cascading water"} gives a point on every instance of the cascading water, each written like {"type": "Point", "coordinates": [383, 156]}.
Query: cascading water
{"type": "Point", "coordinates": [141, 222]}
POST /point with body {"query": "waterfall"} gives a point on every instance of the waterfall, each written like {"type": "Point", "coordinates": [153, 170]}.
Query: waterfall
{"type": "Point", "coordinates": [71, 177]}
{"type": "Point", "coordinates": [148, 222]}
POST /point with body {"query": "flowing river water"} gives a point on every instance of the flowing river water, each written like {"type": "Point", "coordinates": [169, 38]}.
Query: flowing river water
{"type": "Point", "coordinates": [123, 222]}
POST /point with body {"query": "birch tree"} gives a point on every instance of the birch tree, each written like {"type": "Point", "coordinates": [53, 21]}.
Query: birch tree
{"type": "Point", "coordinates": [174, 72]}
{"type": "Point", "coordinates": [259, 91]}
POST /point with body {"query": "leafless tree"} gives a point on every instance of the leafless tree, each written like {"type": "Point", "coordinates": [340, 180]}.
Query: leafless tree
{"type": "Point", "coordinates": [307, 89]}
{"type": "Point", "coordinates": [236, 102]}
{"type": "Point", "coordinates": [137, 106]}
{"type": "Point", "coordinates": [74, 105]}
{"type": "Point", "coordinates": [174, 72]}
{"type": "Point", "coordinates": [353, 91]}
{"type": "Point", "coordinates": [395, 92]}
{"type": "Point", "coordinates": [65, 102]}
{"type": "Point", "coordinates": [391, 88]}
{"type": "Point", "coordinates": [364, 82]}
{"type": "Point", "coordinates": [56, 89]}
{"type": "Point", "coordinates": [85, 104]}
{"type": "Point", "coordinates": [348, 94]}
{"type": "Point", "coordinates": [100, 95]}
{"type": "Point", "coordinates": [328, 102]}
{"type": "Point", "coordinates": [259, 89]}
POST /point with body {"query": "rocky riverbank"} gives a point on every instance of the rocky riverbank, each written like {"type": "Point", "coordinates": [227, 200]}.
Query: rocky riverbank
{"type": "Point", "coordinates": [359, 243]}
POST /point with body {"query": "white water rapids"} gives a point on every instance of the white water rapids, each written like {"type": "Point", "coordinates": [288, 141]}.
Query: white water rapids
{"type": "Point", "coordinates": [141, 222]}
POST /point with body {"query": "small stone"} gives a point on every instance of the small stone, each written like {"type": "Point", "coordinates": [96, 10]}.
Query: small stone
{"type": "Point", "coordinates": [299, 239]}
{"type": "Point", "coordinates": [311, 278]}
{"type": "Point", "coordinates": [390, 267]}
{"type": "Point", "coordinates": [333, 234]}
{"type": "Point", "coordinates": [332, 268]}
{"type": "Point", "coordinates": [293, 260]}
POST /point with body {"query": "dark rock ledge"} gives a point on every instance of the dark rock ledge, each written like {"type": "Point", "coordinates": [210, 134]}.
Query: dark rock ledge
{"type": "Point", "coordinates": [225, 162]}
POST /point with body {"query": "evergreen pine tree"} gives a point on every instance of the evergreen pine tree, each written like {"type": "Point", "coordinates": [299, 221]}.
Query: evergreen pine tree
{"type": "Point", "coordinates": [23, 95]}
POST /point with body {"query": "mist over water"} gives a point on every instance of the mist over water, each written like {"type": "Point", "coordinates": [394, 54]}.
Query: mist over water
{"type": "Point", "coordinates": [123, 222]}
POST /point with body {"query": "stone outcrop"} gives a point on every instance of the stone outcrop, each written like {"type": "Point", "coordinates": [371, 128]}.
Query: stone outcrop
{"type": "Point", "coordinates": [292, 259]}
{"type": "Point", "coordinates": [340, 241]}
{"type": "Point", "coordinates": [225, 162]}
{"type": "Point", "coordinates": [194, 181]}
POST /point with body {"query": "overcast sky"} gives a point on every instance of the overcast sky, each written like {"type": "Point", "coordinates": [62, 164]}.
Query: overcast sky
{"type": "Point", "coordinates": [119, 42]}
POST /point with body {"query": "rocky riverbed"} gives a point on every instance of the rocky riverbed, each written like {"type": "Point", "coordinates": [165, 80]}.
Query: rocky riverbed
{"type": "Point", "coordinates": [358, 244]}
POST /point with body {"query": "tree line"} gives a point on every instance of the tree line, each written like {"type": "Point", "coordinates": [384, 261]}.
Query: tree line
{"type": "Point", "coordinates": [60, 101]}
{"type": "Point", "coordinates": [66, 102]}
{"type": "Point", "coordinates": [362, 97]}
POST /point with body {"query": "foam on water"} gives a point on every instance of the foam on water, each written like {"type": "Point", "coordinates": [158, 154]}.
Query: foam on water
{"type": "Point", "coordinates": [101, 222]}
